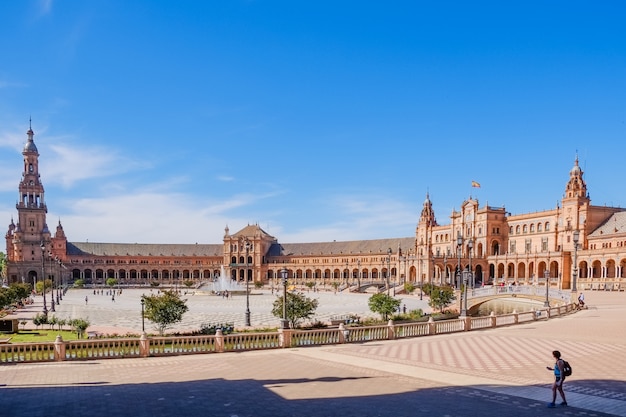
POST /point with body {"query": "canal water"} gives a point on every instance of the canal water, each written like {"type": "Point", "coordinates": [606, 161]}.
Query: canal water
{"type": "Point", "coordinates": [507, 306]}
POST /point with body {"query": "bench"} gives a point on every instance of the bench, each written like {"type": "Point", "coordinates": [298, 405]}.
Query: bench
{"type": "Point", "coordinates": [5, 341]}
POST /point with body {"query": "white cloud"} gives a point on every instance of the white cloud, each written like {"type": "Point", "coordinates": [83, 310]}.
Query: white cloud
{"type": "Point", "coordinates": [45, 7]}
{"type": "Point", "coordinates": [148, 217]}
{"type": "Point", "coordinates": [67, 164]}
{"type": "Point", "coordinates": [357, 217]}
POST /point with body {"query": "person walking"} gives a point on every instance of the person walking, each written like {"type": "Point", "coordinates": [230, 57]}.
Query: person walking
{"type": "Point", "coordinates": [581, 301]}
{"type": "Point", "coordinates": [559, 378]}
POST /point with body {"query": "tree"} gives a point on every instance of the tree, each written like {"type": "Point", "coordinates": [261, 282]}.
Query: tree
{"type": "Point", "coordinates": [111, 282]}
{"type": "Point", "coordinates": [383, 304]}
{"type": "Point", "coordinates": [21, 290]}
{"type": "Point", "coordinates": [299, 307]}
{"type": "Point", "coordinates": [39, 287]}
{"type": "Point", "coordinates": [164, 309]}
{"type": "Point", "coordinates": [409, 287]}
{"type": "Point", "coordinates": [441, 297]}
{"type": "Point", "coordinates": [39, 319]}
{"type": "Point", "coordinates": [79, 325]}
{"type": "Point", "coordinates": [3, 265]}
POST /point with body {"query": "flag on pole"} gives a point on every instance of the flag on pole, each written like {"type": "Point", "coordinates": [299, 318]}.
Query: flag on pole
{"type": "Point", "coordinates": [475, 184]}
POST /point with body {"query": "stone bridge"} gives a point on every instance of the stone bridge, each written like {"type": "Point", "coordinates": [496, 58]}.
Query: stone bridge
{"type": "Point", "coordinates": [478, 296]}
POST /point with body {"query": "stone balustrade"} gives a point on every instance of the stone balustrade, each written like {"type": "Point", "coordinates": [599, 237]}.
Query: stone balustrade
{"type": "Point", "coordinates": [144, 346]}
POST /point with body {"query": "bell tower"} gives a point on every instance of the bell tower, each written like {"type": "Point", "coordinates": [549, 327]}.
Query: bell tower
{"type": "Point", "coordinates": [24, 239]}
{"type": "Point", "coordinates": [575, 203]}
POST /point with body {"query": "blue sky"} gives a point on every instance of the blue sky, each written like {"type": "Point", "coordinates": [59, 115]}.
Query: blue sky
{"type": "Point", "coordinates": [164, 122]}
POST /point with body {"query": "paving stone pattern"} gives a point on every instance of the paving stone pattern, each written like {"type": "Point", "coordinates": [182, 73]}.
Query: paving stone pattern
{"type": "Point", "coordinates": [495, 372]}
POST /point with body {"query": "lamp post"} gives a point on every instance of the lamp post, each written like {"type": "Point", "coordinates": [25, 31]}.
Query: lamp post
{"type": "Point", "coordinates": [245, 274]}
{"type": "Point", "coordinates": [575, 273]}
{"type": "Point", "coordinates": [358, 277]}
{"type": "Point", "coordinates": [51, 271]}
{"type": "Point", "coordinates": [346, 274]}
{"type": "Point", "coordinates": [60, 285]}
{"type": "Point", "coordinates": [470, 246]}
{"type": "Point", "coordinates": [421, 278]}
{"type": "Point", "coordinates": [445, 267]}
{"type": "Point", "coordinates": [43, 276]}
{"type": "Point", "coordinates": [284, 323]}
{"type": "Point", "coordinates": [469, 277]}
{"type": "Point", "coordinates": [459, 246]}
{"type": "Point", "coordinates": [388, 266]}
{"type": "Point", "coordinates": [546, 274]}
{"type": "Point", "coordinates": [143, 324]}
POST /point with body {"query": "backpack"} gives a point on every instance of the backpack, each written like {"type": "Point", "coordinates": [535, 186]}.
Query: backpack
{"type": "Point", "coordinates": [567, 368]}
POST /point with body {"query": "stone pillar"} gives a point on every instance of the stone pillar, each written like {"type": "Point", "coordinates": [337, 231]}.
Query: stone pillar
{"type": "Point", "coordinates": [467, 323]}
{"type": "Point", "coordinates": [344, 334]}
{"type": "Point", "coordinates": [493, 318]}
{"type": "Point", "coordinates": [144, 346]}
{"type": "Point", "coordinates": [432, 328]}
{"type": "Point", "coordinates": [59, 349]}
{"type": "Point", "coordinates": [391, 330]}
{"type": "Point", "coordinates": [515, 317]}
{"type": "Point", "coordinates": [219, 341]}
{"type": "Point", "coordinates": [284, 336]}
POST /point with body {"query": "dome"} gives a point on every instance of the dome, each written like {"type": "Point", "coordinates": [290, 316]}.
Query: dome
{"type": "Point", "coordinates": [576, 171]}
{"type": "Point", "coordinates": [30, 144]}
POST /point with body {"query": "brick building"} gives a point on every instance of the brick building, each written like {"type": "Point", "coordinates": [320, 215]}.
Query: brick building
{"type": "Point", "coordinates": [494, 244]}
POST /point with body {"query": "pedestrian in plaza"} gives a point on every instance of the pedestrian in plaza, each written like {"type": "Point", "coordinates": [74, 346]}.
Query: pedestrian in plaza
{"type": "Point", "coordinates": [581, 300]}
{"type": "Point", "coordinates": [559, 378]}
{"type": "Point", "coordinates": [86, 299]}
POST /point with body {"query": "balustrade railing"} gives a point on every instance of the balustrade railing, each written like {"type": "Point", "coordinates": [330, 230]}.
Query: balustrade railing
{"type": "Point", "coordinates": [113, 348]}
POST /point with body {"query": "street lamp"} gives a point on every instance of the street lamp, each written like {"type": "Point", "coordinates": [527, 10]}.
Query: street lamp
{"type": "Point", "coordinates": [247, 246]}
{"type": "Point", "coordinates": [358, 277]}
{"type": "Point", "coordinates": [51, 283]}
{"type": "Point", "coordinates": [575, 274]}
{"type": "Point", "coordinates": [284, 323]}
{"type": "Point", "coordinates": [143, 324]}
{"type": "Point", "coordinates": [546, 274]}
{"type": "Point", "coordinates": [388, 271]}
{"type": "Point", "coordinates": [421, 277]}
{"type": "Point", "coordinates": [445, 267]}
{"type": "Point", "coordinates": [470, 246]}
{"type": "Point", "coordinates": [459, 246]}
{"type": "Point", "coordinates": [468, 277]}
{"type": "Point", "coordinates": [43, 276]}
{"type": "Point", "coordinates": [60, 285]}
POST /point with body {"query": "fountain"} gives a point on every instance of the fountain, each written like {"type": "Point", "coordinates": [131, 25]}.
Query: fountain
{"type": "Point", "coordinates": [224, 283]}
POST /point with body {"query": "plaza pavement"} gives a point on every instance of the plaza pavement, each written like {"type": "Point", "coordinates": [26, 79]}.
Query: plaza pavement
{"type": "Point", "coordinates": [495, 372]}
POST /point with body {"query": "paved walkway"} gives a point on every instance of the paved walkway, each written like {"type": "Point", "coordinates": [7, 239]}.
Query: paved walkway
{"type": "Point", "coordinates": [496, 372]}
{"type": "Point", "coordinates": [122, 315]}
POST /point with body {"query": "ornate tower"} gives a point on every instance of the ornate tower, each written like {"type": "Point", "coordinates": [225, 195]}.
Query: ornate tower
{"type": "Point", "coordinates": [576, 204]}
{"type": "Point", "coordinates": [426, 222]}
{"type": "Point", "coordinates": [24, 239]}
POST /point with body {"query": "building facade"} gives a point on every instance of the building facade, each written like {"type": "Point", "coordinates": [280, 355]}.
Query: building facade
{"type": "Point", "coordinates": [496, 246]}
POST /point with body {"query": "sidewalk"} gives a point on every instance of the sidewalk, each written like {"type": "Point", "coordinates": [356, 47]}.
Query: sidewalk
{"type": "Point", "coordinates": [497, 372]}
